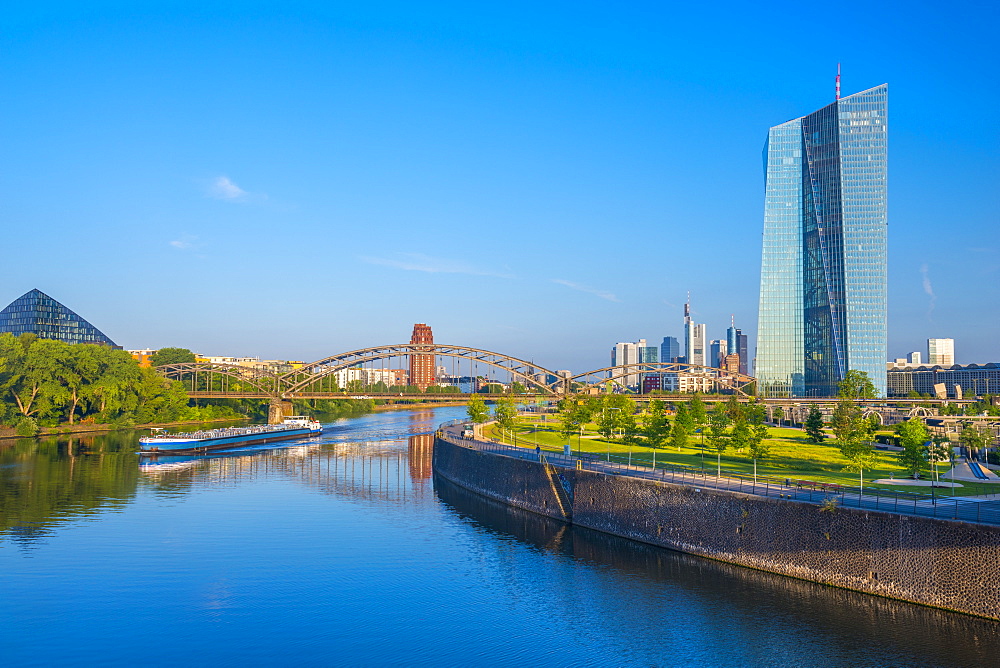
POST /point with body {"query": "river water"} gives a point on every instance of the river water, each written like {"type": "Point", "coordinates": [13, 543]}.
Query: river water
{"type": "Point", "coordinates": [344, 550]}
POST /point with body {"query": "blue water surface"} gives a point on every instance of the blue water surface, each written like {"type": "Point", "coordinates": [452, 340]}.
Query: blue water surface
{"type": "Point", "coordinates": [344, 551]}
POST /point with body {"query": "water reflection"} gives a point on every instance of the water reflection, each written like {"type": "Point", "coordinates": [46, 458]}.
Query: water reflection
{"type": "Point", "coordinates": [730, 609]}
{"type": "Point", "coordinates": [434, 555]}
{"type": "Point", "coordinates": [44, 482]}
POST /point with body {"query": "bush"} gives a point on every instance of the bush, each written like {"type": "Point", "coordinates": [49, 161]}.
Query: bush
{"type": "Point", "coordinates": [26, 426]}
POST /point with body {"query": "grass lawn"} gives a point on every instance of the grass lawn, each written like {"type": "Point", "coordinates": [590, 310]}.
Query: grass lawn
{"type": "Point", "coordinates": [792, 456]}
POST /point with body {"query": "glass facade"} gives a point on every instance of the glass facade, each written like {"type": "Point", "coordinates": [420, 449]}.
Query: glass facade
{"type": "Point", "coordinates": [37, 313]}
{"type": "Point", "coordinates": [823, 263]}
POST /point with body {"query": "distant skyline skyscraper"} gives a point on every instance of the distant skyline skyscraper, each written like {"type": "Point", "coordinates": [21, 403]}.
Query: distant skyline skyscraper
{"type": "Point", "coordinates": [718, 349]}
{"type": "Point", "coordinates": [670, 349]}
{"type": "Point", "coordinates": [941, 352]}
{"type": "Point", "coordinates": [624, 353]}
{"type": "Point", "coordinates": [736, 342]}
{"type": "Point", "coordinates": [694, 338]}
{"type": "Point", "coordinates": [422, 364]}
{"type": "Point", "coordinates": [823, 263]}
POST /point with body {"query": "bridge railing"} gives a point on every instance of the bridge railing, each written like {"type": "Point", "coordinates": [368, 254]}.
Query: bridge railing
{"type": "Point", "coordinates": [830, 495]}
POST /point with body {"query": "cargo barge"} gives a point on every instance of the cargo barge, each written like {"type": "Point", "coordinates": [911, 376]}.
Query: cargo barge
{"type": "Point", "coordinates": [160, 441]}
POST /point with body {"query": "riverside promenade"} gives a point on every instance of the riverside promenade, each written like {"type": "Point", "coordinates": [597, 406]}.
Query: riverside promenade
{"type": "Point", "coordinates": [965, 509]}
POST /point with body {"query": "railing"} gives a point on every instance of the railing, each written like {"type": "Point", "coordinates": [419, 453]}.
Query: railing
{"type": "Point", "coordinates": [829, 494]}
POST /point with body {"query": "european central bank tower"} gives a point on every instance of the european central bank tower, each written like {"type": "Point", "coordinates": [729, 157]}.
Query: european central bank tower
{"type": "Point", "coordinates": [823, 267]}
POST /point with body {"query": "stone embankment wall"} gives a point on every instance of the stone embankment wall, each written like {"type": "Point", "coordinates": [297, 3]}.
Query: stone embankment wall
{"type": "Point", "coordinates": [945, 564]}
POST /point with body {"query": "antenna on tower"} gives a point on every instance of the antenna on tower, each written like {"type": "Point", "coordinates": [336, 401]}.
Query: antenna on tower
{"type": "Point", "coordinates": [732, 320]}
{"type": "Point", "coordinates": [838, 81]}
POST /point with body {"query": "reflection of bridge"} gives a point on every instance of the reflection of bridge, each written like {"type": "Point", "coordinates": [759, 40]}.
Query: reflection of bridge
{"type": "Point", "coordinates": [319, 380]}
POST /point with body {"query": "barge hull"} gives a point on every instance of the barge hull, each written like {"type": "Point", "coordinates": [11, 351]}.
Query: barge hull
{"type": "Point", "coordinates": [234, 442]}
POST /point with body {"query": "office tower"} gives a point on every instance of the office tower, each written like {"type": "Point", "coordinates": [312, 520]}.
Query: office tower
{"type": "Point", "coordinates": [36, 313]}
{"type": "Point", "coordinates": [628, 353]}
{"type": "Point", "coordinates": [915, 358]}
{"type": "Point", "coordinates": [741, 350]}
{"type": "Point", "coordinates": [823, 264]}
{"type": "Point", "coordinates": [694, 338]}
{"type": "Point", "coordinates": [736, 342]}
{"type": "Point", "coordinates": [718, 349]}
{"type": "Point", "coordinates": [422, 364]}
{"type": "Point", "coordinates": [941, 352]}
{"type": "Point", "coordinates": [670, 349]}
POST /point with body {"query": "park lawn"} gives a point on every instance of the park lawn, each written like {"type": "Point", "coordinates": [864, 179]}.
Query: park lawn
{"type": "Point", "coordinates": [792, 456]}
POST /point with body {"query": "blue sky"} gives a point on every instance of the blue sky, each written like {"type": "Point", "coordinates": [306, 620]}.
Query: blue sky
{"type": "Point", "coordinates": [539, 179]}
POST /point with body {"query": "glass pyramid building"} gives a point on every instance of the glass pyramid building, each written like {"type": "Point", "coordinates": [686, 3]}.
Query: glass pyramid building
{"type": "Point", "coordinates": [37, 313]}
{"type": "Point", "coordinates": [823, 269]}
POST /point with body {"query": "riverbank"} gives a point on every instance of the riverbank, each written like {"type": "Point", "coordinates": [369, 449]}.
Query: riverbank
{"type": "Point", "coordinates": [922, 560]}
{"type": "Point", "coordinates": [7, 433]}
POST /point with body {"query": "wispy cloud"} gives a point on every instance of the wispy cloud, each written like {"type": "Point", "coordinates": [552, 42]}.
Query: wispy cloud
{"type": "Point", "coordinates": [222, 187]}
{"type": "Point", "coordinates": [929, 289]}
{"type": "Point", "coordinates": [185, 242]}
{"type": "Point", "coordinates": [603, 294]}
{"type": "Point", "coordinates": [433, 265]}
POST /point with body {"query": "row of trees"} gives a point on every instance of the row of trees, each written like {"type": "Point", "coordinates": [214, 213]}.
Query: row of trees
{"type": "Point", "coordinates": [44, 382]}
{"type": "Point", "coordinates": [730, 425]}
{"type": "Point", "coordinates": [741, 427]}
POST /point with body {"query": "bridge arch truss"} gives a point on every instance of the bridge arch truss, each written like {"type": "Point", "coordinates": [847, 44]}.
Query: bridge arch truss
{"type": "Point", "coordinates": [315, 375]}
{"type": "Point", "coordinates": [222, 379]}
{"type": "Point", "coordinates": [619, 375]}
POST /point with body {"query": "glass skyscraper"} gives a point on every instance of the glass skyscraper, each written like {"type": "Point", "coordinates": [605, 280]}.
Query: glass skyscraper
{"type": "Point", "coordinates": [36, 313]}
{"type": "Point", "coordinates": [823, 267]}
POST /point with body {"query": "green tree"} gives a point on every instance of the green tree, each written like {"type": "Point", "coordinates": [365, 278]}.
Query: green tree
{"type": "Point", "coordinates": [718, 434]}
{"type": "Point", "coordinates": [913, 436]}
{"type": "Point", "coordinates": [856, 385]}
{"type": "Point", "coordinates": [853, 433]}
{"type": "Point", "coordinates": [814, 426]}
{"type": "Point", "coordinates": [505, 413]}
{"type": "Point", "coordinates": [517, 388]}
{"type": "Point", "coordinates": [477, 411]}
{"type": "Point", "coordinates": [757, 444]}
{"type": "Point", "coordinates": [974, 438]}
{"type": "Point", "coordinates": [680, 433]}
{"type": "Point", "coordinates": [655, 425]}
{"type": "Point", "coordinates": [697, 411]}
{"type": "Point", "coordinates": [171, 356]}
{"type": "Point", "coordinates": [779, 415]}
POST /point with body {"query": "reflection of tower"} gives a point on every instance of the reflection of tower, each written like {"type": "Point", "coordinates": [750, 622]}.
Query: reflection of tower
{"type": "Point", "coordinates": [421, 452]}
{"type": "Point", "coordinates": [422, 364]}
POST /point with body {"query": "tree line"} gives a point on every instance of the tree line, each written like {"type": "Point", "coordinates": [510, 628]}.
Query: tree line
{"type": "Point", "coordinates": [47, 383]}
{"type": "Point", "coordinates": [741, 427]}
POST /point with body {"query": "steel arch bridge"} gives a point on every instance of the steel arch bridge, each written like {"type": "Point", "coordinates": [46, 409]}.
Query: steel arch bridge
{"type": "Point", "coordinates": [319, 379]}
{"type": "Point", "coordinates": [312, 375]}
{"type": "Point", "coordinates": [225, 380]}
{"type": "Point", "coordinates": [703, 376]}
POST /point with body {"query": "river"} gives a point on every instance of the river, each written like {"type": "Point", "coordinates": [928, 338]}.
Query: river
{"type": "Point", "coordinates": [344, 550]}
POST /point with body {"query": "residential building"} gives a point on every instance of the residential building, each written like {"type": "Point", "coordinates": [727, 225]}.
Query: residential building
{"type": "Point", "coordinates": [941, 352]}
{"type": "Point", "coordinates": [422, 363]}
{"type": "Point", "coordinates": [36, 313]}
{"type": "Point", "coordinates": [144, 357]}
{"type": "Point", "coordinates": [823, 264]}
